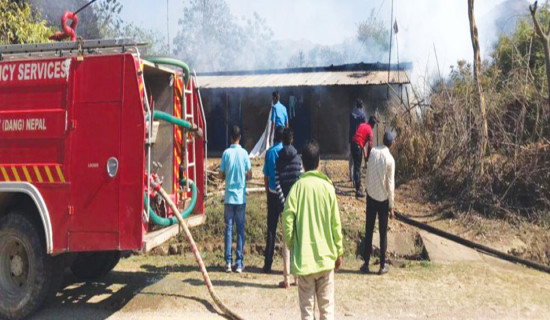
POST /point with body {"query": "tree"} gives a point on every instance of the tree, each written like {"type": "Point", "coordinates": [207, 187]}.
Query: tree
{"type": "Point", "coordinates": [111, 25]}
{"type": "Point", "coordinates": [19, 25]}
{"type": "Point", "coordinates": [212, 39]}
{"type": "Point", "coordinates": [297, 61]}
{"type": "Point", "coordinates": [51, 11]}
{"type": "Point", "coordinates": [477, 78]}
{"type": "Point", "coordinates": [544, 37]}
{"type": "Point", "coordinates": [108, 16]}
{"type": "Point", "coordinates": [374, 35]}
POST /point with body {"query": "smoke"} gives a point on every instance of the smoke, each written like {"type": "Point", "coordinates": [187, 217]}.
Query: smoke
{"type": "Point", "coordinates": [433, 35]}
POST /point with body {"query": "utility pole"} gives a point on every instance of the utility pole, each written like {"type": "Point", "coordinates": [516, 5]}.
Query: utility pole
{"type": "Point", "coordinates": [389, 58]}
{"type": "Point", "coordinates": [168, 26]}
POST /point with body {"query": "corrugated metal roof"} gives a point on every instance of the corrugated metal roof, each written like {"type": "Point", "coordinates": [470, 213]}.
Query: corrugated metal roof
{"type": "Point", "coordinates": [300, 79]}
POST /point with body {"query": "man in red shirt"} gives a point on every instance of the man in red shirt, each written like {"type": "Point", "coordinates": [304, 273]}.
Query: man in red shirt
{"type": "Point", "coordinates": [361, 143]}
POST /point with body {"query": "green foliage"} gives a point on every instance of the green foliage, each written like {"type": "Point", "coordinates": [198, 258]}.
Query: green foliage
{"type": "Point", "coordinates": [19, 25]}
{"type": "Point", "coordinates": [522, 49]}
{"type": "Point", "coordinates": [52, 10]}
{"type": "Point", "coordinates": [444, 145]}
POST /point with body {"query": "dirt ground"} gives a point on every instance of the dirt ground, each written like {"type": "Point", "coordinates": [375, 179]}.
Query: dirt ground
{"type": "Point", "coordinates": [458, 283]}
{"type": "Point", "coordinates": [171, 287]}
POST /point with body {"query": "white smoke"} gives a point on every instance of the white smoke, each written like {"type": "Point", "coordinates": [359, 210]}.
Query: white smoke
{"type": "Point", "coordinates": [426, 27]}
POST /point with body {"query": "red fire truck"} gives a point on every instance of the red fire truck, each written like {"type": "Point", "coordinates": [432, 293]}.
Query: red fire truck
{"type": "Point", "coordinates": [86, 128]}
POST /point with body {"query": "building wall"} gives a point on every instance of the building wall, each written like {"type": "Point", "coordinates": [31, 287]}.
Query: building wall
{"type": "Point", "coordinates": [321, 113]}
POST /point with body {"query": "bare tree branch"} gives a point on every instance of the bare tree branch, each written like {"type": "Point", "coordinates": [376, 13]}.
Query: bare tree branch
{"type": "Point", "coordinates": [544, 38]}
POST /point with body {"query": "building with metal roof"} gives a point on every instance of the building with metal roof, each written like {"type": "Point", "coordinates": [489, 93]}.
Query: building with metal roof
{"type": "Point", "coordinates": [318, 100]}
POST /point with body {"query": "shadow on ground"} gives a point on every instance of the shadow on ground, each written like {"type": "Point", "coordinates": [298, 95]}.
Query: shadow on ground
{"type": "Point", "coordinates": [242, 282]}
{"type": "Point", "coordinates": [96, 299]}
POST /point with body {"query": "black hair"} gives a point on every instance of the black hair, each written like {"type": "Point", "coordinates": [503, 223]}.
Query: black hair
{"type": "Point", "coordinates": [235, 133]}
{"type": "Point", "coordinates": [372, 121]}
{"type": "Point", "coordinates": [275, 95]}
{"type": "Point", "coordinates": [310, 155]}
{"type": "Point", "coordinates": [359, 103]}
{"type": "Point", "coordinates": [278, 137]}
{"type": "Point", "coordinates": [288, 135]}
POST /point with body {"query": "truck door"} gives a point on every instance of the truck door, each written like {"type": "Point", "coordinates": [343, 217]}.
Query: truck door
{"type": "Point", "coordinates": [96, 122]}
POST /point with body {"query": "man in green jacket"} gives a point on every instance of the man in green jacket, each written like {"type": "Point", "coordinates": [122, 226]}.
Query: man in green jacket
{"type": "Point", "coordinates": [313, 232]}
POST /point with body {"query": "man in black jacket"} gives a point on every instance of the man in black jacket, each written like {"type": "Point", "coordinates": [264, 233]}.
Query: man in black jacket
{"type": "Point", "coordinates": [288, 169]}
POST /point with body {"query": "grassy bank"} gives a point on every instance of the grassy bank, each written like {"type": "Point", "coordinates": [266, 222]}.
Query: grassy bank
{"type": "Point", "coordinates": [210, 236]}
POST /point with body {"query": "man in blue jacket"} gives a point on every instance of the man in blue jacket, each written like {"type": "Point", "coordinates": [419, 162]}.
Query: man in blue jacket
{"type": "Point", "coordinates": [279, 116]}
{"type": "Point", "coordinates": [274, 206]}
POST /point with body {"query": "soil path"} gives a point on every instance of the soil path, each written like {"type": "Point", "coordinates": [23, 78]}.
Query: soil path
{"type": "Point", "coordinates": [144, 287]}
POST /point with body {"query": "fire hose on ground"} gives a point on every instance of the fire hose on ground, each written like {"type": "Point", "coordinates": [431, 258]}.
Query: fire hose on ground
{"type": "Point", "coordinates": [185, 213]}
{"type": "Point", "coordinates": [470, 244]}
{"type": "Point", "coordinates": [202, 268]}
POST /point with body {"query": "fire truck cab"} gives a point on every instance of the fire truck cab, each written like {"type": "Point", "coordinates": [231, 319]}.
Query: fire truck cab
{"type": "Point", "coordinates": [86, 128]}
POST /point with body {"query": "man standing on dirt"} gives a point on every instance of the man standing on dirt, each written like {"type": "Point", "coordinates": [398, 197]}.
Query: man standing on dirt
{"type": "Point", "coordinates": [361, 144]}
{"type": "Point", "coordinates": [279, 116]}
{"type": "Point", "coordinates": [313, 232]}
{"type": "Point", "coordinates": [235, 168]}
{"type": "Point", "coordinates": [380, 199]}
{"type": "Point", "coordinates": [287, 171]}
{"type": "Point", "coordinates": [356, 117]}
{"type": "Point", "coordinates": [274, 206]}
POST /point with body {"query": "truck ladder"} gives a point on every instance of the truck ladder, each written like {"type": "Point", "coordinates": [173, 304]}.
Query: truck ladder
{"type": "Point", "coordinates": [67, 48]}
{"type": "Point", "coordinates": [189, 116]}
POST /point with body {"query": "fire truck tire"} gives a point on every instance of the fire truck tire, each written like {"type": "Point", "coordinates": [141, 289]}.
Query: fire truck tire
{"type": "Point", "coordinates": [27, 272]}
{"type": "Point", "coordinates": [92, 265]}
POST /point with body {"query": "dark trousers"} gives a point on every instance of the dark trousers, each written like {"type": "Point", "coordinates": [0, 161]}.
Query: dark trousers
{"type": "Point", "coordinates": [380, 208]}
{"type": "Point", "coordinates": [357, 154]}
{"type": "Point", "coordinates": [274, 209]}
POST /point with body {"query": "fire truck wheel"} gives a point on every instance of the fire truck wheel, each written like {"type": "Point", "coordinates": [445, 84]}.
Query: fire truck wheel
{"type": "Point", "coordinates": [27, 272]}
{"type": "Point", "coordinates": [92, 265]}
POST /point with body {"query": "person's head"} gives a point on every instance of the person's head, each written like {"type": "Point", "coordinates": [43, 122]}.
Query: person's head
{"type": "Point", "coordinates": [235, 134]}
{"type": "Point", "coordinates": [389, 137]}
{"type": "Point", "coordinates": [310, 155]}
{"type": "Point", "coordinates": [288, 137]}
{"type": "Point", "coordinates": [278, 137]}
{"type": "Point", "coordinates": [359, 103]}
{"type": "Point", "coordinates": [275, 96]}
{"type": "Point", "coordinates": [372, 121]}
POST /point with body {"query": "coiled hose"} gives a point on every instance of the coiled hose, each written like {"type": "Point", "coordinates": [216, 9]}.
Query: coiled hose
{"type": "Point", "coordinates": [165, 222]}
{"type": "Point", "coordinates": [162, 221]}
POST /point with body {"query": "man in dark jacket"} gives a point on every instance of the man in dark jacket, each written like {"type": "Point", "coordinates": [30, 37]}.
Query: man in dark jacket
{"type": "Point", "coordinates": [288, 169]}
{"type": "Point", "coordinates": [356, 117]}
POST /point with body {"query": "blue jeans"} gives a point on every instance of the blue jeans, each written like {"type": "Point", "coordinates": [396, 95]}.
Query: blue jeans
{"type": "Point", "coordinates": [234, 213]}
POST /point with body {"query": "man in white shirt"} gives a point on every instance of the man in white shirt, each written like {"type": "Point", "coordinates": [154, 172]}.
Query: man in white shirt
{"type": "Point", "coordinates": [380, 194]}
